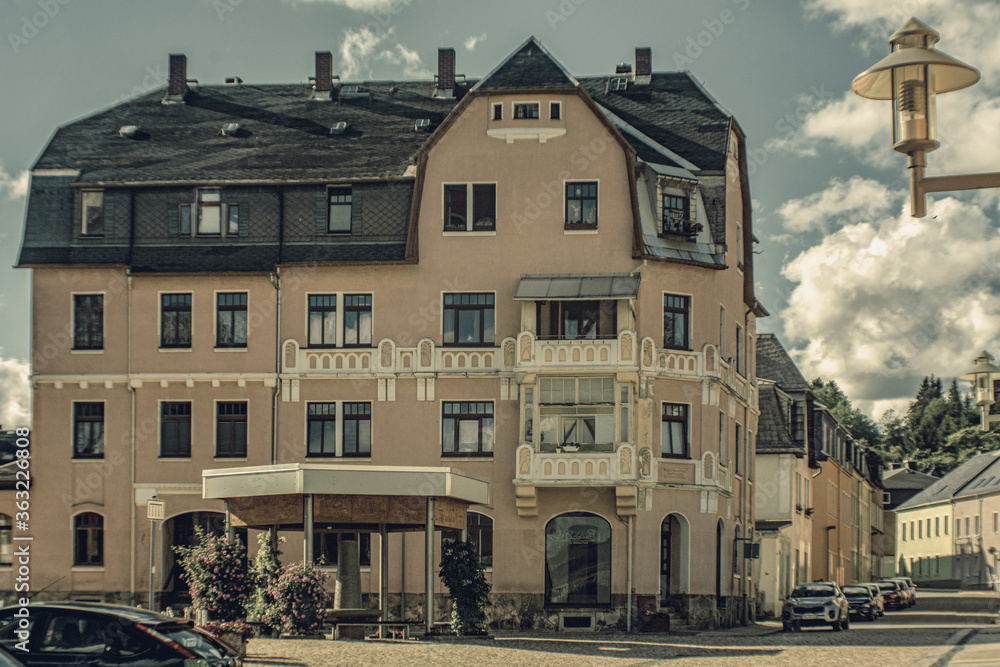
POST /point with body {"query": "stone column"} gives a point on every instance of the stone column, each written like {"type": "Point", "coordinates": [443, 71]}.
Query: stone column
{"type": "Point", "coordinates": [429, 573]}
{"type": "Point", "coordinates": [307, 528]}
{"type": "Point", "coordinates": [383, 575]}
{"type": "Point", "coordinates": [347, 594]}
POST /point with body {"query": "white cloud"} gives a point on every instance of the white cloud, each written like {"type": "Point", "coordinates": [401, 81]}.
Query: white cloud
{"type": "Point", "coordinates": [15, 186]}
{"type": "Point", "coordinates": [843, 202]}
{"type": "Point", "coordinates": [968, 121]}
{"type": "Point", "coordinates": [471, 42]}
{"type": "Point", "coordinates": [362, 47]}
{"type": "Point", "coordinates": [881, 303]}
{"type": "Point", "coordinates": [392, 6]}
{"type": "Point", "coordinates": [15, 394]}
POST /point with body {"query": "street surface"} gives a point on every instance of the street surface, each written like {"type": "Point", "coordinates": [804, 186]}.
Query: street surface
{"type": "Point", "coordinates": [944, 628]}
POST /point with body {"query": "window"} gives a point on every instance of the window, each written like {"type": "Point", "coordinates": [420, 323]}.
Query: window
{"type": "Point", "coordinates": [996, 523]}
{"type": "Point", "coordinates": [209, 211]}
{"type": "Point", "coordinates": [937, 526]}
{"type": "Point", "coordinates": [184, 219]}
{"type": "Point", "coordinates": [676, 315]}
{"type": "Point", "coordinates": [739, 449]}
{"type": "Point", "coordinates": [339, 220]}
{"type": "Point", "coordinates": [555, 110]}
{"type": "Point", "coordinates": [231, 319]}
{"type": "Point", "coordinates": [722, 332]}
{"type": "Point", "coordinates": [581, 205]}
{"type": "Point", "coordinates": [903, 531]}
{"type": "Point", "coordinates": [920, 530]}
{"type": "Point", "coordinates": [977, 525]}
{"type": "Point", "coordinates": [92, 214]}
{"type": "Point", "coordinates": [6, 541]}
{"type": "Point", "coordinates": [674, 430]}
{"type": "Point", "coordinates": [175, 429]}
{"type": "Point", "coordinates": [958, 527]}
{"type": "Point", "coordinates": [468, 319]}
{"type": "Point", "coordinates": [739, 247]}
{"type": "Point", "coordinates": [737, 545]}
{"type": "Point", "coordinates": [89, 543]}
{"type": "Point", "coordinates": [467, 428]}
{"type": "Point", "coordinates": [577, 320]}
{"type": "Point", "coordinates": [946, 522]}
{"type": "Point", "coordinates": [322, 320]}
{"type": "Point", "coordinates": [470, 207]}
{"type": "Point", "coordinates": [88, 321]}
{"type": "Point", "coordinates": [928, 527]}
{"type": "Point", "coordinates": [233, 213]}
{"type": "Point", "coordinates": [326, 551]}
{"type": "Point", "coordinates": [579, 412]}
{"type": "Point", "coordinates": [739, 350]}
{"type": "Point", "coordinates": [676, 213]}
{"type": "Point", "coordinates": [525, 110]}
{"type": "Point", "coordinates": [175, 320]}
{"type": "Point", "coordinates": [498, 111]}
{"type": "Point", "coordinates": [321, 429]}
{"type": "Point", "coordinates": [751, 450]}
{"type": "Point", "coordinates": [577, 560]}
{"type": "Point", "coordinates": [480, 529]}
{"type": "Point", "coordinates": [231, 429]}
{"type": "Point", "coordinates": [358, 319]}
{"type": "Point", "coordinates": [357, 429]}
{"type": "Point", "coordinates": [88, 430]}
{"type": "Point", "coordinates": [723, 460]}
{"type": "Point", "coordinates": [968, 533]}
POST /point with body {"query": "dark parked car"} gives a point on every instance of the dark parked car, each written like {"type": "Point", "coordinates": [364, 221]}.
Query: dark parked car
{"type": "Point", "coordinates": [893, 594]}
{"type": "Point", "coordinates": [818, 603]}
{"type": "Point", "coordinates": [911, 588]}
{"type": "Point", "coordinates": [861, 602]}
{"type": "Point", "coordinates": [102, 635]}
{"type": "Point", "coordinates": [877, 594]}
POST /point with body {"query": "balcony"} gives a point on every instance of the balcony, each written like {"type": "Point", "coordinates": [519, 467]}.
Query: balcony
{"type": "Point", "coordinates": [534, 354]}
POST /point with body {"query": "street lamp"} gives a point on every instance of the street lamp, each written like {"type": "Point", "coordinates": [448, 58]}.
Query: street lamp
{"type": "Point", "coordinates": [911, 75]}
{"type": "Point", "coordinates": [981, 375]}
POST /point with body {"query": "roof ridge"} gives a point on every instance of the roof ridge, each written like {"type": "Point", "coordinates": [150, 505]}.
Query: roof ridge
{"type": "Point", "coordinates": [509, 63]}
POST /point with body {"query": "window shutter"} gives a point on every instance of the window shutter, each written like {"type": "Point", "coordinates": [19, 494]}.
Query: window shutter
{"type": "Point", "coordinates": [109, 216]}
{"type": "Point", "coordinates": [321, 204]}
{"type": "Point", "coordinates": [244, 220]}
{"type": "Point", "coordinates": [174, 220]}
{"type": "Point", "coordinates": [355, 211]}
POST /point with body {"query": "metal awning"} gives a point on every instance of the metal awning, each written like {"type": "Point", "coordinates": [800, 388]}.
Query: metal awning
{"type": "Point", "coordinates": [578, 286]}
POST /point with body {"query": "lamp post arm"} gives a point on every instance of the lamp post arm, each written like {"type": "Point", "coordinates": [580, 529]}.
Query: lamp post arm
{"type": "Point", "coordinates": [961, 182]}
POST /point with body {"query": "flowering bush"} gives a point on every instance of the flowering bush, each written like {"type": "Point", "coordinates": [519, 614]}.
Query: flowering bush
{"type": "Point", "coordinates": [216, 572]}
{"type": "Point", "coordinates": [265, 575]}
{"type": "Point", "coordinates": [219, 628]}
{"type": "Point", "coordinates": [300, 600]}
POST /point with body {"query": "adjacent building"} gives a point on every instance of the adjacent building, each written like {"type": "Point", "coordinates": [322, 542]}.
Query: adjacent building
{"type": "Point", "coordinates": [534, 279]}
{"type": "Point", "coordinates": [901, 482]}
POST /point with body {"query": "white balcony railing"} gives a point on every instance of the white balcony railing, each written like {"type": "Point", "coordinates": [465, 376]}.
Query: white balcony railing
{"type": "Point", "coordinates": [577, 468]}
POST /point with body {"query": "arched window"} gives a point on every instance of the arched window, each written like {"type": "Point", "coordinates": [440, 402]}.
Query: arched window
{"type": "Point", "coordinates": [89, 539]}
{"type": "Point", "coordinates": [6, 542]}
{"type": "Point", "coordinates": [578, 559]}
{"type": "Point", "coordinates": [737, 553]}
{"type": "Point", "coordinates": [480, 529]}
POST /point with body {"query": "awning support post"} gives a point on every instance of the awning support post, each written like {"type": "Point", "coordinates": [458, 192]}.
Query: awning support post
{"type": "Point", "coordinates": [429, 573]}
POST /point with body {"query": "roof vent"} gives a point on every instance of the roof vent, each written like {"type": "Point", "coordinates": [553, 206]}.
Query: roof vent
{"type": "Point", "coordinates": [422, 125]}
{"type": "Point", "coordinates": [338, 127]}
{"type": "Point", "coordinates": [623, 68]}
{"type": "Point", "coordinates": [128, 131]}
{"type": "Point", "coordinates": [347, 93]}
{"type": "Point", "coordinates": [230, 129]}
{"type": "Point", "coordinates": [234, 80]}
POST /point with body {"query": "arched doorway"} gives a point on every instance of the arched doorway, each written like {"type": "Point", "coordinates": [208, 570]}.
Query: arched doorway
{"type": "Point", "coordinates": [577, 560]}
{"type": "Point", "coordinates": [675, 553]}
{"type": "Point", "coordinates": [180, 530]}
{"type": "Point", "coordinates": [720, 557]}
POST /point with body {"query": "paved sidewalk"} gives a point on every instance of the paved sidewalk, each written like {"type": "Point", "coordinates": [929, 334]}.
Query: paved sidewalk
{"type": "Point", "coordinates": [761, 629]}
{"type": "Point", "coordinates": [983, 649]}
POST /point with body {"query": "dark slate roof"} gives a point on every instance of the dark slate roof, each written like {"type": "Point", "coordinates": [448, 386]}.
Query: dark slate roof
{"type": "Point", "coordinates": [284, 134]}
{"type": "Point", "coordinates": [946, 487]}
{"type": "Point", "coordinates": [530, 66]}
{"type": "Point", "coordinates": [343, 252]}
{"type": "Point", "coordinates": [988, 481]}
{"type": "Point", "coordinates": [907, 478]}
{"type": "Point", "coordinates": [773, 363]}
{"type": "Point", "coordinates": [772, 431]}
{"type": "Point", "coordinates": [672, 110]}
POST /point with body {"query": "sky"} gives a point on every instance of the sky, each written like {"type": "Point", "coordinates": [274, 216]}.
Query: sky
{"type": "Point", "coordinates": [859, 291]}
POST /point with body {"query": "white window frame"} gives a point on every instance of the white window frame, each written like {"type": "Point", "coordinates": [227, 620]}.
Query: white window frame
{"type": "Point", "coordinates": [104, 320]}
{"type": "Point", "coordinates": [159, 321]}
{"type": "Point", "coordinates": [469, 206]}
{"type": "Point", "coordinates": [493, 111]}
{"type": "Point", "coordinates": [196, 212]}
{"type": "Point", "coordinates": [83, 214]}
{"type": "Point", "coordinates": [515, 103]}
{"type": "Point", "coordinates": [562, 107]}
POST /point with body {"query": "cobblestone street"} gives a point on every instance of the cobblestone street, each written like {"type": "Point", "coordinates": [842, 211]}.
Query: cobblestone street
{"type": "Point", "coordinates": [944, 628]}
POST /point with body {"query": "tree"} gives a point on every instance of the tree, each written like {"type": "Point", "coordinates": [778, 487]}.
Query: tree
{"type": "Point", "coordinates": [961, 446]}
{"type": "Point", "coordinates": [863, 430]}
{"type": "Point", "coordinates": [265, 575]}
{"type": "Point", "coordinates": [462, 573]}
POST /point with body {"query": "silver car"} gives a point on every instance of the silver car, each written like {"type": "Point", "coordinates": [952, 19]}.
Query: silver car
{"type": "Point", "coordinates": [818, 603]}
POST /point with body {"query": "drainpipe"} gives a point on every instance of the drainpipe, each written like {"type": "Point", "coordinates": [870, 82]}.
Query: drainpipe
{"type": "Point", "coordinates": [128, 383]}
{"type": "Point", "coordinates": [276, 283]}
{"type": "Point", "coordinates": [628, 594]}
{"type": "Point", "coordinates": [402, 576]}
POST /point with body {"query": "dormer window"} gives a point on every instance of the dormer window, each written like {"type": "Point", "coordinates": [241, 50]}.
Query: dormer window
{"type": "Point", "coordinates": [339, 221]}
{"type": "Point", "coordinates": [209, 212]}
{"type": "Point", "coordinates": [525, 110]}
{"type": "Point", "coordinates": [92, 214]}
{"type": "Point", "coordinates": [676, 213]}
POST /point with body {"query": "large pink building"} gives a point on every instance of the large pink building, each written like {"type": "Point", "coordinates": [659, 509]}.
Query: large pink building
{"type": "Point", "coordinates": [537, 280]}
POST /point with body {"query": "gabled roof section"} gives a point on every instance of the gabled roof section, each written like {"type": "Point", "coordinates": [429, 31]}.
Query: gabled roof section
{"type": "Point", "coordinates": [907, 478]}
{"type": "Point", "coordinates": [988, 481]}
{"type": "Point", "coordinates": [773, 363]}
{"type": "Point", "coordinates": [530, 66]}
{"type": "Point", "coordinates": [772, 429]}
{"type": "Point", "coordinates": [948, 486]}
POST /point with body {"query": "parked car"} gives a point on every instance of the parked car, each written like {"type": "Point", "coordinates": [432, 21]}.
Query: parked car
{"type": "Point", "coordinates": [910, 586]}
{"type": "Point", "coordinates": [894, 594]}
{"type": "Point", "coordinates": [818, 603]}
{"type": "Point", "coordinates": [99, 635]}
{"type": "Point", "coordinates": [861, 602]}
{"type": "Point", "coordinates": [877, 594]}
{"type": "Point", "coordinates": [7, 659]}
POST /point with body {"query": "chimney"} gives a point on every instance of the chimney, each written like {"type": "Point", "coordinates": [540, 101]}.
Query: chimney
{"type": "Point", "coordinates": [446, 70]}
{"type": "Point", "coordinates": [177, 84]}
{"type": "Point", "coordinates": [908, 464]}
{"type": "Point", "coordinates": [643, 61]}
{"type": "Point", "coordinates": [324, 71]}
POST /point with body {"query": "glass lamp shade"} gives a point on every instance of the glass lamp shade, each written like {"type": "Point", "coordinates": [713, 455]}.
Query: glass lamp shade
{"type": "Point", "coordinates": [913, 122]}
